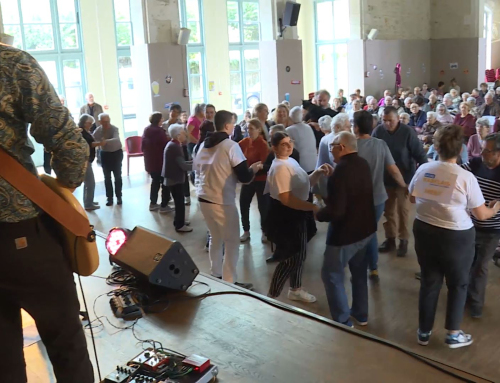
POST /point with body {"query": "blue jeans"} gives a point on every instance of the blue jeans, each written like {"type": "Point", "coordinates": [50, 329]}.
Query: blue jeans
{"type": "Point", "coordinates": [332, 274]}
{"type": "Point", "coordinates": [372, 249]}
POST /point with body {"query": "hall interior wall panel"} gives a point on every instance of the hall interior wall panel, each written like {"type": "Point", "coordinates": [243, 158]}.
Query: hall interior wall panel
{"type": "Point", "coordinates": [268, 73]}
{"type": "Point", "coordinates": [466, 53]}
{"type": "Point", "coordinates": [495, 54]}
{"type": "Point", "coordinates": [356, 73]}
{"type": "Point", "coordinates": [157, 61]}
{"type": "Point", "coordinates": [142, 82]}
{"type": "Point", "coordinates": [413, 55]}
{"type": "Point", "coordinates": [275, 57]}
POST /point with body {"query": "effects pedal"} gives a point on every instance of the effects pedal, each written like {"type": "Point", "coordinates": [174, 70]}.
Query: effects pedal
{"type": "Point", "coordinates": [121, 374]}
{"type": "Point", "coordinates": [125, 306]}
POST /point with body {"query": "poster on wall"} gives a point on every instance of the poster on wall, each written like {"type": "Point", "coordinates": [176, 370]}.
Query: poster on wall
{"type": "Point", "coordinates": [453, 65]}
{"type": "Point", "coordinates": [211, 86]}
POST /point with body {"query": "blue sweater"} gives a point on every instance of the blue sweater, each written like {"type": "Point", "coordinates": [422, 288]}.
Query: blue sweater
{"type": "Point", "coordinates": [406, 149]}
{"type": "Point", "coordinates": [418, 119]}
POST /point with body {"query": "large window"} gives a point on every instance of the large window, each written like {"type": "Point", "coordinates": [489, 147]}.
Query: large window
{"type": "Point", "coordinates": [50, 31]}
{"type": "Point", "coordinates": [124, 40]}
{"type": "Point", "coordinates": [244, 58]}
{"type": "Point", "coordinates": [191, 18]}
{"type": "Point", "coordinates": [332, 32]}
{"type": "Point", "coordinates": [487, 34]}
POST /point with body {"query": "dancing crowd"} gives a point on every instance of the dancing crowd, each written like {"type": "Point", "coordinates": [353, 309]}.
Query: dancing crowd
{"type": "Point", "coordinates": [345, 162]}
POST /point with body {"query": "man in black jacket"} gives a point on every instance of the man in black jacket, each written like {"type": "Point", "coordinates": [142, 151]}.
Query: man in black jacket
{"type": "Point", "coordinates": [407, 151]}
{"type": "Point", "coordinates": [351, 213]}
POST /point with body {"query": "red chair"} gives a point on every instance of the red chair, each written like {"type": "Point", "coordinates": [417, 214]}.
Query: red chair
{"type": "Point", "coordinates": [133, 147]}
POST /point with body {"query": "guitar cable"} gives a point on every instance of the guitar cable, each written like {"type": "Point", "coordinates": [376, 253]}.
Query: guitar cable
{"type": "Point", "coordinates": [75, 246]}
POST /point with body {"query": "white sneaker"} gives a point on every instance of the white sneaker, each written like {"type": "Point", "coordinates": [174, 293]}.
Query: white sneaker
{"type": "Point", "coordinates": [301, 295]}
{"type": "Point", "coordinates": [245, 237]}
{"type": "Point", "coordinates": [154, 207]}
{"type": "Point", "coordinates": [263, 238]}
{"type": "Point", "coordinates": [166, 210]}
{"type": "Point", "coordinates": [187, 201]}
{"type": "Point", "coordinates": [184, 229]}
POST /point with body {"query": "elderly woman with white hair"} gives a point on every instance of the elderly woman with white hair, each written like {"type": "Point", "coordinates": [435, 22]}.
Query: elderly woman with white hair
{"type": "Point", "coordinates": [466, 120]}
{"type": "Point", "coordinates": [433, 103]}
{"type": "Point", "coordinates": [448, 101]}
{"type": "Point", "coordinates": [304, 139]}
{"type": "Point", "coordinates": [174, 173]}
{"type": "Point", "coordinates": [356, 106]}
{"type": "Point", "coordinates": [325, 124]}
{"type": "Point", "coordinates": [340, 123]}
{"type": "Point", "coordinates": [429, 128]}
{"type": "Point", "coordinates": [475, 144]}
{"type": "Point", "coordinates": [404, 118]}
{"type": "Point", "coordinates": [444, 116]}
{"type": "Point", "coordinates": [407, 105]}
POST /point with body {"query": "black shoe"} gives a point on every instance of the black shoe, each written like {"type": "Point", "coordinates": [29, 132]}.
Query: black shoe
{"type": "Point", "coordinates": [119, 201]}
{"type": "Point", "coordinates": [388, 245]}
{"type": "Point", "coordinates": [109, 203]}
{"type": "Point", "coordinates": [403, 248]}
{"type": "Point", "coordinates": [247, 286]}
{"type": "Point", "coordinates": [271, 259]}
{"type": "Point", "coordinates": [476, 312]}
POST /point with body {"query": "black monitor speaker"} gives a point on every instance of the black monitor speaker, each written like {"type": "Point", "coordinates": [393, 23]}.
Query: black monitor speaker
{"type": "Point", "coordinates": [291, 14]}
{"type": "Point", "coordinates": [156, 259]}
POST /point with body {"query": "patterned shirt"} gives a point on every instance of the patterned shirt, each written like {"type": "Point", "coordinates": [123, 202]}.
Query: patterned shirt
{"type": "Point", "coordinates": [27, 97]}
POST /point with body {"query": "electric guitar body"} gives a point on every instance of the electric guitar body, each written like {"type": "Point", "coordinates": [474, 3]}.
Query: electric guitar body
{"type": "Point", "coordinates": [82, 254]}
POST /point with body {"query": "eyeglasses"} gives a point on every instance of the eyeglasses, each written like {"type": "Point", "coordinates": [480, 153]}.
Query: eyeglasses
{"type": "Point", "coordinates": [288, 144]}
{"type": "Point", "coordinates": [488, 151]}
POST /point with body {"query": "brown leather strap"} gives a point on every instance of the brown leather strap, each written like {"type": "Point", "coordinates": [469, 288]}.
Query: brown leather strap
{"type": "Point", "coordinates": [42, 196]}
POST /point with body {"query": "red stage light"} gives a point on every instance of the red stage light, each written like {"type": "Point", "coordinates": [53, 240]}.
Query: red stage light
{"type": "Point", "coordinates": [115, 240]}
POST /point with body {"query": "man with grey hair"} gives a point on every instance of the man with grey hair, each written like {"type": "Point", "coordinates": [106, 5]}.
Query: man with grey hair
{"type": "Point", "coordinates": [351, 215]}
{"type": "Point", "coordinates": [304, 140]}
{"type": "Point", "coordinates": [111, 157]}
{"type": "Point", "coordinates": [92, 108]}
{"type": "Point", "coordinates": [487, 171]}
{"type": "Point", "coordinates": [489, 108]}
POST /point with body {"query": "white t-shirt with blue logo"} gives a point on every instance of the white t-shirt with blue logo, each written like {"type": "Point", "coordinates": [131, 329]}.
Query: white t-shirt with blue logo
{"type": "Point", "coordinates": [465, 195]}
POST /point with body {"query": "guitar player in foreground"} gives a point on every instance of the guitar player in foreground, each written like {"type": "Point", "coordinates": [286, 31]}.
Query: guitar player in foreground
{"type": "Point", "coordinates": [34, 273]}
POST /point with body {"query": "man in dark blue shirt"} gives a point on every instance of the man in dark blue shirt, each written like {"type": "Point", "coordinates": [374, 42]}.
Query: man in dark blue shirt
{"type": "Point", "coordinates": [407, 151]}
{"type": "Point", "coordinates": [487, 172]}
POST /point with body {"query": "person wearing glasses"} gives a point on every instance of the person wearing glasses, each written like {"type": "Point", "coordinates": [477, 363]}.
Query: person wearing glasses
{"type": "Point", "coordinates": [350, 211]}
{"type": "Point", "coordinates": [289, 186]}
{"type": "Point", "coordinates": [486, 169]}
{"type": "Point", "coordinates": [445, 195]}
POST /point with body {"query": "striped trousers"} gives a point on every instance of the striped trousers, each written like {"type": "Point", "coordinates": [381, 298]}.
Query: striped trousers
{"type": "Point", "coordinates": [290, 268]}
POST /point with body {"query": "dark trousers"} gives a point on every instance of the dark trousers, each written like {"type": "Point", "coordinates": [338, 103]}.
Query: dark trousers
{"type": "Point", "coordinates": [486, 243]}
{"type": "Point", "coordinates": [156, 184]}
{"type": "Point", "coordinates": [187, 191]}
{"type": "Point", "coordinates": [47, 157]}
{"type": "Point", "coordinates": [290, 268]}
{"type": "Point", "coordinates": [246, 196]}
{"type": "Point", "coordinates": [443, 253]}
{"type": "Point", "coordinates": [180, 210]}
{"type": "Point", "coordinates": [112, 163]}
{"type": "Point", "coordinates": [38, 279]}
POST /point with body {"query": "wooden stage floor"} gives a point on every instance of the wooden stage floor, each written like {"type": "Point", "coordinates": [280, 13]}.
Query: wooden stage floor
{"type": "Point", "coordinates": [249, 340]}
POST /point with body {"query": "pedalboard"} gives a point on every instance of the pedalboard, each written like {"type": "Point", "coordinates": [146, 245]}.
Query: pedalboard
{"type": "Point", "coordinates": [158, 366]}
{"type": "Point", "coordinates": [125, 307]}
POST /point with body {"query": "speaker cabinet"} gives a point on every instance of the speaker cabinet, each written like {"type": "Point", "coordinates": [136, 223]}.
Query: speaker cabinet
{"type": "Point", "coordinates": [183, 38]}
{"type": "Point", "coordinates": [291, 14]}
{"type": "Point", "coordinates": [156, 259]}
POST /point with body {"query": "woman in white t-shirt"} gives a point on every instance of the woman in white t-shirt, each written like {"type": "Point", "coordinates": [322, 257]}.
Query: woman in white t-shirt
{"type": "Point", "coordinates": [289, 186]}
{"type": "Point", "coordinates": [444, 233]}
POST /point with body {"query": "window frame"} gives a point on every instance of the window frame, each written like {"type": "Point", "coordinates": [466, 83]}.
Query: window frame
{"type": "Point", "coordinates": [332, 42]}
{"type": "Point", "coordinates": [241, 47]}
{"type": "Point", "coordinates": [124, 51]}
{"type": "Point", "coordinates": [195, 48]}
{"type": "Point", "coordinates": [58, 54]}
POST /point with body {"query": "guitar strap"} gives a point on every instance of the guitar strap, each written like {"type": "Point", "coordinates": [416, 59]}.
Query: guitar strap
{"type": "Point", "coordinates": [43, 196]}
